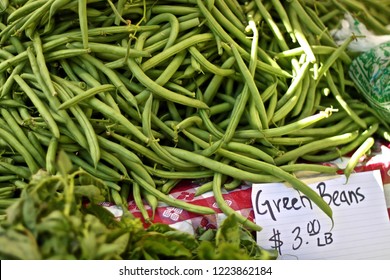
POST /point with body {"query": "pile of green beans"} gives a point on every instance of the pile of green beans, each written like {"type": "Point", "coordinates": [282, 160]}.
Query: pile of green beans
{"type": "Point", "coordinates": [143, 94]}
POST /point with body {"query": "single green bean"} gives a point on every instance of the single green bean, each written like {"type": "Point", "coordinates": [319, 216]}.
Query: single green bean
{"type": "Point", "coordinates": [337, 95]}
{"type": "Point", "coordinates": [225, 208]}
{"type": "Point", "coordinates": [357, 155]}
{"type": "Point", "coordinates": [172, 201]}
{"type": "Point", "coordinates": [139, 202]}
{"type": "Point", "coordinates": [88, 93]}
{"type": "Point", "coordinates": [321, 144]}
{"type": "Point", "coordinates": [20, 171]}
{"type": "Point", "coordinates": [51, 156]}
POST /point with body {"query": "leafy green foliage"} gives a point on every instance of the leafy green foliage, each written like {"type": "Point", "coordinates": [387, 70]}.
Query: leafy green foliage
{"type": "Point", "coordinates": [58, 217]}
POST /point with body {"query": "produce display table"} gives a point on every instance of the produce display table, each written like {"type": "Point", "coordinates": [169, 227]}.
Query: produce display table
{"type": "Point", "coordinates": [240, 198]}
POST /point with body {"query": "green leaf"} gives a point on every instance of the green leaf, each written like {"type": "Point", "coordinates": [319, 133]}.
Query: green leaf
{"type": "Point", "coordinates": [229, 232]}
{"type": "Point", "coordinates": [227, 251]}
{"type": "Point", "coordinates": [92, 192]}
{"type": "Point", "coordinates": [29, 213]}
{"type": "Point", "coordinates": [159, 246]}
{"type": "Point", "coordinates": [105, 216]}
{"type": "Point", "coordinates": [206, 251]}
{"type": "Point", "coordinates": [18, 246]}
{"type": "Point", "coordinates": [64, 164]}
{"type": "Point", "coordinates": [208, 234]}
{"type": "Point", "coordinates": [114, 249]}
{"type": "Point", "coordinates": [159, 227]}
{"type": "Point", "coordinates": [186, 239]}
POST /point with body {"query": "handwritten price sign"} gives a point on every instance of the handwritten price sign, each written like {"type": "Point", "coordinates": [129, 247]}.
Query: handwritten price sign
{"type": "Point", "coordinates": [297, 228]}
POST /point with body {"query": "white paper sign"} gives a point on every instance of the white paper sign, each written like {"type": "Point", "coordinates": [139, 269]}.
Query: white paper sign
{"type": "Point", "coordinates": [298, 229]}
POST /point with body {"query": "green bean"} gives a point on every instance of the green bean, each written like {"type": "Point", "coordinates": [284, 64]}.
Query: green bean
{"type": "Point", "coordinates": [139, 202]}
{"type": "Point", "coordinates": [343, 103]}
{"type": "Point", "coordinates": [272, 24]}
{"type": "Point", "coordinates": [357, 155]}
{"type": "Point", "coordinates": [225, 208]}
{"type": "Point", "coordinates": [83, 20]}
{"type": "Point", "coordinates": [309, 167]}
{"type": "Point", "coordinates": [302, 97]}
{"type": "Point", "coordinates": [20, 135]}
{"type": "Point", "coordinates": [277, 5]}
{"type": "Point", "coordinates": [51, 156]}
{"type": "Point", "coordinates": [169, 185]}
{"type": "Point", "coordinates": [118, 149]}
{"type": "Point", "coordinates": [291, 141]}
{"type": "Point", "coordinates": [106, 110]}
{"type": "Point", "coordinates": [273, 68]}
{"type": "Point", "coordinates": [345, 149]}
{"type": "Point", "coordinates": [248, 176]}
{"type": "Point", "coordinates": [37, 44]}
{"type": "Point", "coordinates": [165, 76]}
{"type": "Point", "coordinates": [25, 10]}
{"type": "Point", "coordinates": [5, 203]}
{"type": "Point", "coordinates": [82, 119]}
{"type": "Point", "coordinates": [176, 175]}
{"type": "Point", "coordinates": [107, 98]}
{"type": "Point", "coordinates": [161, 91]}
{"type": "Point", "coordinates": [317, 50]}
{"type": "Point", "coordinates": [185, 23]}
{"type": "Point", "coordinates": [333, 57]}
{"type": "Point", "coordinates": [208, 65]}
{"type": "Point", "coordinates": [144, 151]}
{"type": "Point", "coordinates": [113, 161]}
{"type": "Point", "coordinates": [161, 152]}
{"type": "Point", "coordinates": [310, 24]}
{"type": "Point", "coordinates": [188, 122]}
{"type": "Point", "coordinates": [172, 201]}
{"type": "Point", "coordinates": [204, 188]}
{"type": "Point", "coordinates": [229, 14]}
{"type": "Point", "coordinates": [321, 144]}
{"type": "Point", "coordinates": [232, 185]}
{"type": "Point", "coordinates": [237, 9]}
{"type": "Point", "coordinates": [212, 89]}
{"type": "Point", "coordinates": [33, 18]}
{"type": "Point", "coordinates": [175, 9]}
{"type": "Point", "coordinates": [174, 24]}
{"type": "Point", "coordinates": [115, 196]}
{"type": "Point", "coordinates": [115, 51]}
{"type": "Point", "coordinates": [113, 78]}
{"type": "Point", "coordinates": [68, 70]}
{"type": "Point", "coordinates": [61, 116]}
{"type": "Point", "coordinates": [20, 171]}
{"type": "Point", "coordinates": [294, 86]}
{"type": "Point", "coordinates": [178, 47]}
{"type": "Point", "coordinates": [112, 177]}
{"type": "Point", "coordinates": [89, 93]}
{"type": "Point", "coordinates": [247, 74]}
{"type": "Point", "coordinates": [36, 144]}
{"type": "Point", "coordinates": [272, 106]}
{"type": "Point", "coordinates": [57, 5]}
{"type": "Point", "coordinates": [384, 133]}
{"type": "Point", "coordinates": [39, 105]}
{"type": "Point", "coordinates": [151, 200]}
{"type": "Point", "coordinates": [17, 146]}
{"type": "Point", "coordinates": [64, 54]}
{"type": "Point", "coordinates": [330, 130]}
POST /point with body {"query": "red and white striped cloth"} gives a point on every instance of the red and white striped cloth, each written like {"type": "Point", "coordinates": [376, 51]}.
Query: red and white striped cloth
{"type": "Point", "coordinates": [240, 198]}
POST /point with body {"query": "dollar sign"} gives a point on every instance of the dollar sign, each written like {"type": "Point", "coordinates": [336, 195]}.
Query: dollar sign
{"type": "Point", "coordinates": [277, 242]}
